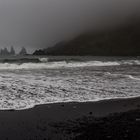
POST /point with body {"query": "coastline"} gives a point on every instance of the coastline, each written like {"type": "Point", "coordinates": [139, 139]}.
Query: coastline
{"type": "Point", "coordinates": [44, 121]}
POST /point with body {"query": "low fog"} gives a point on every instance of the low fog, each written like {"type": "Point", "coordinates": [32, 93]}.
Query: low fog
{"type": "Point", "coordinates": [41, 23]}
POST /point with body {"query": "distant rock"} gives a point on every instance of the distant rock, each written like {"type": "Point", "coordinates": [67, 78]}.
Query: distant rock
{"type": "Point", "coordinates": [12, 51]}
{"type": "Point", "coordinates": [4, 52]}
{"type": "Point", "coordinates": [39, 52]}
{"type": "Point", "coordinates": [23, 51]}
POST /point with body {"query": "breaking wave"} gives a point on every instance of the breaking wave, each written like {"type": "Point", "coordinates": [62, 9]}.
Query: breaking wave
{"type": "Point", "coordinates": [52, 65]}
{"type": "Point", "coordinates": [29, 87]}
{"type": "Point", "coordinates": [122, 76]}
{"type": "Point", "coordinates": [44, 59]}
{"type": "Point", "coordinates": [133, 78]}
{"type": "Point", "coordinates": [44, 63]}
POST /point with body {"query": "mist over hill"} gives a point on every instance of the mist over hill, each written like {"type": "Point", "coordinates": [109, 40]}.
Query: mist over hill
{"type": "Point", "coordinates": [121, 41]}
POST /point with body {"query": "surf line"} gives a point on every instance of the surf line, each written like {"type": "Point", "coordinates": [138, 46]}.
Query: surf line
{"type": "Point", "coordinates": [133, 78]}
{"type": "Point", "coordinates": [129, 76]}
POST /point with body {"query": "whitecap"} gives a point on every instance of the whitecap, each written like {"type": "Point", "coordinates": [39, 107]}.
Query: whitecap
{"type": "Point", "coordinates": [44, 60]}
{"type": "Point", "coordinates": [53, 65]}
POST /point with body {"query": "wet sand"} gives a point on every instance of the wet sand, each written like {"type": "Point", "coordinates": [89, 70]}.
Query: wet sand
{"type": "Point", "coordinates": [71, 120]}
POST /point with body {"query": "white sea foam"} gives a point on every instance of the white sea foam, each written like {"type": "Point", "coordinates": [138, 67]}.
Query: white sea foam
{"type": "Point", "coordinates": [22, 90]}
{"type": "Point", "coordinates": [27, 88]}
{"type": "Point", "coordinates": [44, 64]}
{"type": "Point", "coordinates": [130, 62]}
{"type": "Point", "coordinates": [51, 65]}
{"type": "Point", "coordinates": [133, 78]}
{"type": "Point", "coordinates": [123, 75]}
{"type": "Point", "coordinates": [45, 59]}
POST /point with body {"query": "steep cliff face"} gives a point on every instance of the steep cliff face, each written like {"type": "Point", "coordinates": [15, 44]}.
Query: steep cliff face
{"type": "Point", "coordinates": [123, 41]}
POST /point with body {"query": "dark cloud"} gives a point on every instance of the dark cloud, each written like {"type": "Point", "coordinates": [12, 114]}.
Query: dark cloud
{"type": "Point", "coordinates": [40, 23]}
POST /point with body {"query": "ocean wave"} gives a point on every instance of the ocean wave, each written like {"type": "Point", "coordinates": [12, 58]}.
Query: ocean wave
{"type": "Point", "coordinates": [133, 78]}
{"type": "Point", "coordinates": [26, 89]}
{"type": "Point", "coordinates": [20, 60]}
{"type": "Point", "coordinates": [32, 105]}
{"type": "Point", "coordinates": [130, 62]}
{"type": "Point", "coordinates": [123, 76]}
{"type": "Point", "coordinates": [44, 59]}
{"type": "Point", "coordinates": [45, 63]}
{"type": "Point", "coordinates": [51, 65]}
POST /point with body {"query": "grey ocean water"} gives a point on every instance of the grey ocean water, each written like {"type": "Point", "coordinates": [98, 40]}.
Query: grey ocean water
{"type": "Point", "coordinates": [32, 80]}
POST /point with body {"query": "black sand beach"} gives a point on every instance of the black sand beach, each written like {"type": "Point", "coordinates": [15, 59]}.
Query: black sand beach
{"type": "Point", "coordinates": [110, 119]}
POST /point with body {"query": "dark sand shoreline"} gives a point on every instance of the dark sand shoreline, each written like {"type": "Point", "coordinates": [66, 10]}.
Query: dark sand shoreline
{"type": "Point", "coordinates": [68, 120]}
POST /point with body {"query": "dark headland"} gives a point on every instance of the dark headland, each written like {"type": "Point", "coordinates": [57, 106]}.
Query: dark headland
{"type": "Point", "coordinates": [123, 40]}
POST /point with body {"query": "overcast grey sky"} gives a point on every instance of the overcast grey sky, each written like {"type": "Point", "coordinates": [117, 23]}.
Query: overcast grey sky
{"type": "Point", "coordinates": [41, 23]}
